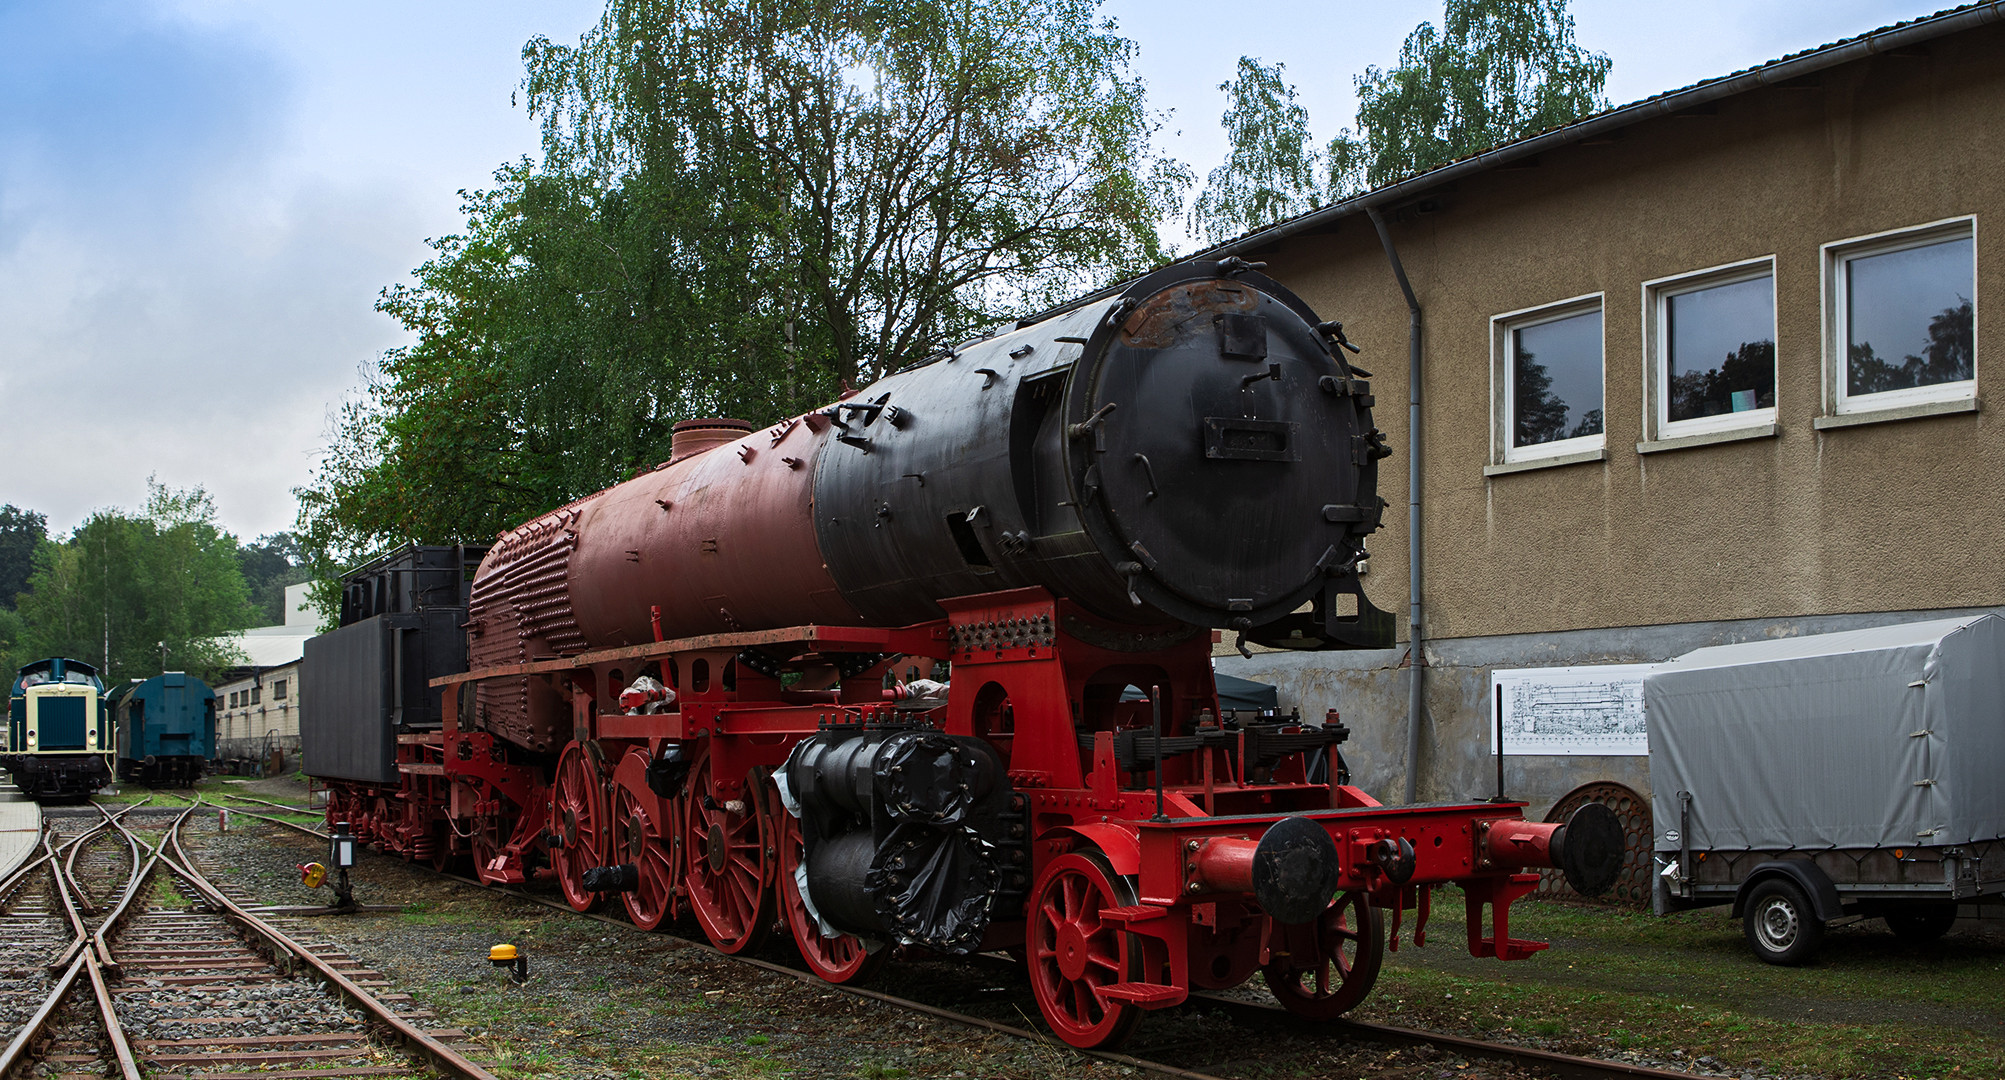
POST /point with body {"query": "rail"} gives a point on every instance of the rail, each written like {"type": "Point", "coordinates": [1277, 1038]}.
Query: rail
{"type": "Point", "coordinates": [442, 1056]}
{"type": "Point", "coordinates": [1569, 1066]}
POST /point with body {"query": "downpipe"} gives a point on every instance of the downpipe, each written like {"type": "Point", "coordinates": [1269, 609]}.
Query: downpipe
{"type": "Point", "coordinates": [1416, 666]}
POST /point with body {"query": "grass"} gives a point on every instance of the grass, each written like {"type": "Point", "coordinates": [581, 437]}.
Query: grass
{"type": "Point", "coordinates": [1621, 979]}
{"type": "Point", "coordinates": [437, 913]}
{"type": "Point", "coordinates": [167, 896]}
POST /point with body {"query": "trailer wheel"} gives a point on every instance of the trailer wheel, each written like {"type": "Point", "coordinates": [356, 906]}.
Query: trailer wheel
{"type": "Point", "coordinates": [1780, 925]}
{"type": "Point", "coordinates": [1919, 924]}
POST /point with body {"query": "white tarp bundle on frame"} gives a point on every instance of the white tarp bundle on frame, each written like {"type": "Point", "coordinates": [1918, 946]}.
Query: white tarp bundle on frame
{"type": "Point", "coordinates": [1888, 737]}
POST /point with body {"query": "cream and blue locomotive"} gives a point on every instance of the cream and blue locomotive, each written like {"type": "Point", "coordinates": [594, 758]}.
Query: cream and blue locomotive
{"type": "Point", "coordinates": [59, 735]}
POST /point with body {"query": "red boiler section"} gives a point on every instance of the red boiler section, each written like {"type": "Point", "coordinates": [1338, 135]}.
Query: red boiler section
{"type": "Point", "coordinates": [720, 538]}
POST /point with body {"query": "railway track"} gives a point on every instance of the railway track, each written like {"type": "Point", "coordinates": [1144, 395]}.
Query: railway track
{"type": "Point", "coordinates": [1251, 1014]}
{"type": "Point", "coordinates": [183, 980]}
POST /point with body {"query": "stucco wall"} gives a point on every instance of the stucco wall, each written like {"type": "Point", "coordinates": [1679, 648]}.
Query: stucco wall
{"type": "Point", "coordinates": [1887, 517]}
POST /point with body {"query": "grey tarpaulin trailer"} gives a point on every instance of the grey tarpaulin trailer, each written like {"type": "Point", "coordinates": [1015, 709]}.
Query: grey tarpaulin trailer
{"type": "Point", "coordinates": [1805, 779]}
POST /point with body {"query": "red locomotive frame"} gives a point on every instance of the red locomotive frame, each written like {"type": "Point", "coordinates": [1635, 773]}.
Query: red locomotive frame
{"type": "Point", "coordinates": [1134, 897]}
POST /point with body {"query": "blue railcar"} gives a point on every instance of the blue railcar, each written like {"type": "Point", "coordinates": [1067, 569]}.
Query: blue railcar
{"type": "Point", "coordinates": [59, 738]}
{"type": "Point", "coordinates": [166, 729]}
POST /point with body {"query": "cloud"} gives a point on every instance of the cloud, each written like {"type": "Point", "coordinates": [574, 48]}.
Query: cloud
{"type": "Point", "coordinates": [168, 307]}
{"type": "Point", "coordinates": [110, 108]}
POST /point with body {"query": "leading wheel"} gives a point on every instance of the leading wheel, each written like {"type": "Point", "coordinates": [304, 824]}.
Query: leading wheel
{"type": "Point", "coordinates": [578, 814]}
{"type": "Point", "coordinates": [1322, 969]}
{"type": "Point", "coordinates": [1075, 953]}
{"type": "Point", "coordinates": [840, 959]}
{"type": "Point", "coordinates": [728, 866]}
{"type": "Point", "coordinates": [1780, 925]}
{"type": "Point", "coordinates": [645, 836]}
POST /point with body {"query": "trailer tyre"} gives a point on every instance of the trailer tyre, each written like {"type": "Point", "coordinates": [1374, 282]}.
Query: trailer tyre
{"type": "Point", "coordinates": [1919, 924]}
{"type": "Point", "coordinates": [1780, 924]}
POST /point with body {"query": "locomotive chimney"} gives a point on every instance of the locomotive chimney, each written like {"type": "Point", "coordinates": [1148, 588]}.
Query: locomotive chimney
{"type": "Point", "coordinates": [689, 438]}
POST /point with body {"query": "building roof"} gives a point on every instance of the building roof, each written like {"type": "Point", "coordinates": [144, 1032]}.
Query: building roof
{"type": "Point", "coordinates": [1784, 70]}
{"type": "Point", "coordinates": [272, 646]}
{"type": "Point", "coordinates": [1787, 69]}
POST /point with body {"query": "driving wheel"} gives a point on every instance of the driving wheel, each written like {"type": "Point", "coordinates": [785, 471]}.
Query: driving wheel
{"type": "Point", "coordinates": [578, 816]}
{"type": "Point", "coordinates": [728, 865]}
{"type": "Point", "coordinates": [839, 959]}
{"type": "Point", "coordinates": [645, 836]}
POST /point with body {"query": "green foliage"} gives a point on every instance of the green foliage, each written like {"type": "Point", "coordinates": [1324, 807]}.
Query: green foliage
{"type": "Point", "coordinates": [13, 653]}
{"type": "Point", "coordinates": [121, 585]}
{"type": "Point", "coordinates": [1496, 71]}
{"type": "Point", "coordinates": [1270, 172]}
{"type": "Point", "coordinates": [21, 532]}
{"type": "Point", "coordinates": [269, 564]}
{"type": "Point", "coordinates": [742, 205]}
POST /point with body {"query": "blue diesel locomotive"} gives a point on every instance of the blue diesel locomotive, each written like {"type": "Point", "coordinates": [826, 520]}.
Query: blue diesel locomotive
{"type": "Point", "coordinates": [166, 729]}
{"type": "Point", "coordinates": [59, 738]}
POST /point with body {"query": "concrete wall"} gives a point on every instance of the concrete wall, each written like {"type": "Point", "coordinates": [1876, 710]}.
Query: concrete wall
{"type": "Point", "coordinates": [1370, 690]}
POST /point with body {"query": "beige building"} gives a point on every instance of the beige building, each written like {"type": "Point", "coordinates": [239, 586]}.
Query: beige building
{"type": "Point", "coordinates": [1696, 370]}
{"type": "Point", "coordinates": [257, 705]}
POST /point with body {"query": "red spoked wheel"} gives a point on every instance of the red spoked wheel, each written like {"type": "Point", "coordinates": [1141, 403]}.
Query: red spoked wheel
{"type": "Point", "coordinates": [645, 835]}
{"type": "Point", "coordinates": [340, 807]}
{"type": "Point", "coordinates": [835, 959]}
{"type": "Point", "coordinates": [1322, 969]}
{"type": "Point", "coordinates": [379, 825]}
{"type": "Point", "coordinates": [728, 865]}
{"type": "Point", "coordinates": [578, 813]}
{"type": "Point", "coordinates": [490, 832]}
{"type": "Point", "coordinates": [1075, 953]}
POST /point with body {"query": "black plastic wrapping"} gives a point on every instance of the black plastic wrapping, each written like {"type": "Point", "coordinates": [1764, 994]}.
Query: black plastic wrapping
{"type": "Point", "coordinates": [934, 887]}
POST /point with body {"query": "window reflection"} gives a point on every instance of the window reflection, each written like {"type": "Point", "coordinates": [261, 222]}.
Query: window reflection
{"type": "Point", "coordinates": [1908, 318]}
{"type": "Point", "coordinates": [1719, 354]}
{"type": "Point", "coordinates": [1556, 380]}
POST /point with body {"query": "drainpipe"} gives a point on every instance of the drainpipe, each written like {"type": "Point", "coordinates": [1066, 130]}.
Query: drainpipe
{"type": "Point", "coordinates": [1416, 664]}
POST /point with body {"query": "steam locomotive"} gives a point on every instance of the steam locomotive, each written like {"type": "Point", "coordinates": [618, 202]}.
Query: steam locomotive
{"type": "Point", "coordinates": [931, 667]}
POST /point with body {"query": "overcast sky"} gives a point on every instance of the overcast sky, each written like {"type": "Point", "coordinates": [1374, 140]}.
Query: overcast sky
{"type": "Point", "coordinates": [200, 199]}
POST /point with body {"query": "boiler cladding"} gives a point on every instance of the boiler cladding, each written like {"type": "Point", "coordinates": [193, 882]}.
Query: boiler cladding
{"type": "Point", "coordinates": [1196, 452]}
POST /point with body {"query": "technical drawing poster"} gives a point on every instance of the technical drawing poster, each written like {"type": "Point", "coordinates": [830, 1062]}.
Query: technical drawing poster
{"type": "Point", "coordinates": [1571, 710]}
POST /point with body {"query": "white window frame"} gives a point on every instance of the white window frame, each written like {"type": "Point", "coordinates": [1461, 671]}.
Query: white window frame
{"type": "Point", "coordinates": [1657, 296]}
{"type": "Point", "coordinates": [1837, 317]}
{"type": "Point", "coordinates": [1503, 389]}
